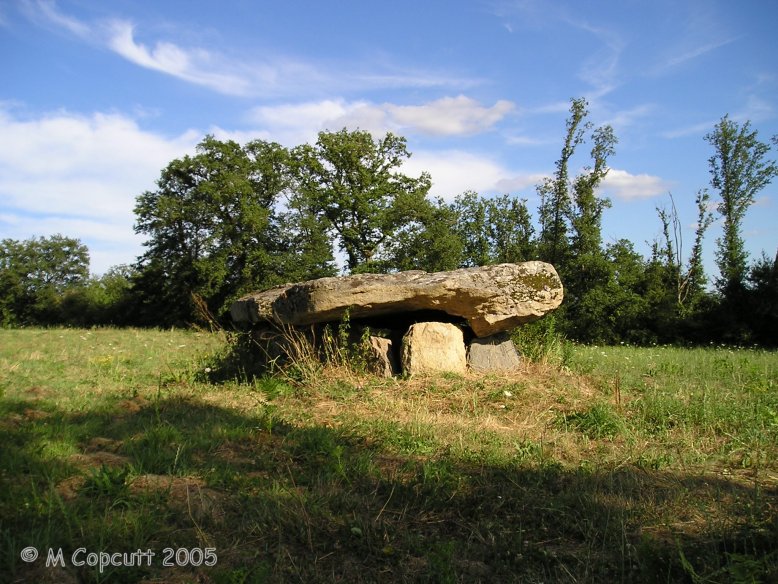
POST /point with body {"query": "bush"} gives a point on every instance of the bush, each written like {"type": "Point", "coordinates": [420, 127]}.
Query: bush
{"type": "Point", "coordinates": [539, 341]}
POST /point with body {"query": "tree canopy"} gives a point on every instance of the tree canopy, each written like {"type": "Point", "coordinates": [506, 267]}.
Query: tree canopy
{"type": "Point", "coordinates": [353, 183]}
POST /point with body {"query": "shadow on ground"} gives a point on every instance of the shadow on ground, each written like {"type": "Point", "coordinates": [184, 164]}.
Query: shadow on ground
{"type": "Point", "coordinates": [282, 503]}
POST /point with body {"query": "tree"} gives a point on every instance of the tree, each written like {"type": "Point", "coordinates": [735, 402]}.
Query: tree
{"type": "Point", "coordinates": [493, 230]}
{"type": "Point", "coordinates": [353, 183]}
{"type": "Point", "coordinates": [472, 226]}
{"type": "Point", "coordinates": [739, 170]}
{"type": "Point", "coordinates": [35, 274]}
{"type": "Point", "coordinates": [763, 299]}
{"type": "Point", "coordinates": [510, 230]}
{"type": "Point", "coordinates": [586, 214]}
{"type": "Point", "coordinates": [304, 244]}
{"type": "Point", "coordinates": [688, 284]}
{"type": "Point", "coordinates": [555, 205]}
{"type": "Point", "coordinates": [432, 243]}
{"type": "Point", "coordinates": [212, 227]}
{"type": "Point", "coordinates": [570, 217]}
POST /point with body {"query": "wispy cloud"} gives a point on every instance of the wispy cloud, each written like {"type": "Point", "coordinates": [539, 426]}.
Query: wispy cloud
{"type": "Point", "coordinates": [694, 53]}
{"type": "Point", "coordinates": [625, 118]}
{"type": "Point", "coordinates": [601, 69]}
{"type": "Point", "coordinates": [522, 140]}
{"type": "Point", "coordinates": [46, 12]}
{"type": "Point", "coordinates": [279, 75]}
{"type": "Point", "coordinates": [690, 130]}
{"type": "Point", "coordinates": [197, 66]}
{"type": "Point", "coordinates": [701, 32]}
{"type": "Point", "coordinates": [598, 69]}
{"type": "Point", "coordinates": [756, 109]}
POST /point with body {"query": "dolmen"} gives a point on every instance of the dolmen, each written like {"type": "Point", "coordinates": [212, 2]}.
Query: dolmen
{"type": "Point", "coordinates": [432, 322]}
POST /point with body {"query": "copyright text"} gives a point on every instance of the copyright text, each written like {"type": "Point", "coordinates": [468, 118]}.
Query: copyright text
{"type": "Point", "coordinates": [183, 557]}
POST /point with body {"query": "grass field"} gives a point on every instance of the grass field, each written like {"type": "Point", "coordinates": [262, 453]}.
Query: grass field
{"type": "Point", "coordinates": [608, 464]}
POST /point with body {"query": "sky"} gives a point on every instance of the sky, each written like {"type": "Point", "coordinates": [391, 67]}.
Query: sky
{"type": "Point", "coordinates": [98, 97]}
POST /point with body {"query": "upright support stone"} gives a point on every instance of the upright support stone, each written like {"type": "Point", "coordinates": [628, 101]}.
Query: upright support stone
{"type": "Point", "coordinates": [434, 347]}
{"type": "Point", "coordinates": [381, 358]}
{"type": "Point", "coordinates": [493, 354]}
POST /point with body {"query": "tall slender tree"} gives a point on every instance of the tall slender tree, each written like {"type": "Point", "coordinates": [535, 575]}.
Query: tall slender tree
{"type": "Point", "coordinates": [739, 169]}
{"type": "Point", "coordinates": [586, 213]}
{"type": "Point", "coordinates": [555, 205]}
{"type": "Point", "coordinates": [687, 283]}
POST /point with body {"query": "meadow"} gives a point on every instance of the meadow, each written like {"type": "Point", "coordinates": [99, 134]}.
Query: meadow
{"type": "Point", "coordinates": [142, 457]}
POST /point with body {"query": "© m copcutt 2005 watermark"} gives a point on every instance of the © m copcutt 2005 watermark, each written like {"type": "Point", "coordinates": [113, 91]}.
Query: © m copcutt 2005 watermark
{"type": "Point", "coordinates": [169, 557]}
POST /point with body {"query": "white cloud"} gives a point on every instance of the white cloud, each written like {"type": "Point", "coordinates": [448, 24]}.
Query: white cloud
{"type": "Point", "coordinates": [293, 124]}
{"type": "Point", "coordinates": [623, 185]}
{"type": "Point", "coordinates": [448, 116]}
{"type": "Point", "coordinates": [454, 172]}
{"type": "Point", "coordinates": [197, 66]}
{"type": "Point", "coordinates": [79, 175]}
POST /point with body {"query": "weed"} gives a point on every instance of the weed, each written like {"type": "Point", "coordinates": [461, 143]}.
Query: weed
{"type": "Point", "coordinates": [598, 421]}
{"type": "Point", "coordinates": [540, 342]}
{"type": "Point", "coordinates": [106, 482]}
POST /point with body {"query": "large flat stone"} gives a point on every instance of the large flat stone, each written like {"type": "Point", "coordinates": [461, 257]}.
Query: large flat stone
{"type": "Point", "coordinates": [491, 299]}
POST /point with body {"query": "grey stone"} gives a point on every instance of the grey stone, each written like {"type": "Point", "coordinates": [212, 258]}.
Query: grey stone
{"type": "Point", "coordinates": [493, 354]}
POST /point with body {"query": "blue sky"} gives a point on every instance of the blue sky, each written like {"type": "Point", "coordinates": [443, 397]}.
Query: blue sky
{"type": "Point", "coordinates": [97, 97]}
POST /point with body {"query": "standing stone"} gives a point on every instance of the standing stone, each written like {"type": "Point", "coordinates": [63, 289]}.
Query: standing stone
{"type": "Point", "coordinates": [493, 354]}
{"type": "Point", "coordinates": [381, 360]}
{"type": "Point", "coordinates": [434, 347]}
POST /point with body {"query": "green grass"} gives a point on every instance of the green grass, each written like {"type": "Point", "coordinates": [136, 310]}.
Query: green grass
{"type": "Point", "coordinates": [619, 464]}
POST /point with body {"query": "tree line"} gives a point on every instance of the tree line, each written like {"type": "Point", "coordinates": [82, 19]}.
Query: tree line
{"type": "Point", "coordinates": [234, 218]}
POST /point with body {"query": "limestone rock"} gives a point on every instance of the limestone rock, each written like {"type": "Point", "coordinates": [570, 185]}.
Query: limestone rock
{"type": "Point", "coordinates": [381, 358]}
{"type": "Point", "coordinates": [434, 347]}
{"type": "Point", "coordinates": [493, 354]}
{"type": "Point", "coordinates": [490, 299]}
